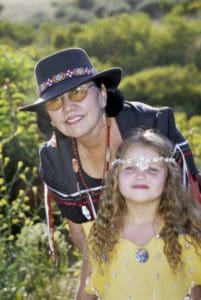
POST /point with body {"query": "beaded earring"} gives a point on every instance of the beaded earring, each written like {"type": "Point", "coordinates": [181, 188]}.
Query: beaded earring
{"type": "Point", "coordinates": [75, 166]}
{"type": "Point", "coordinates": [104, 118]}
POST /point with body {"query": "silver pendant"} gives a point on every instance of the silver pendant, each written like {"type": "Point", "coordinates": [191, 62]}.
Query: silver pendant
{"type": "Point", "coordinates": [141, 255]}
{"type": "Point", "coordinates": [86, 212]}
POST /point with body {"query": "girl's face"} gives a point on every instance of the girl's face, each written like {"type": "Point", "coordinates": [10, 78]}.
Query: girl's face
{"type": "Point", "coordinates": [74, 116]}
{"type": "Point", "coordinates": [138, 184]}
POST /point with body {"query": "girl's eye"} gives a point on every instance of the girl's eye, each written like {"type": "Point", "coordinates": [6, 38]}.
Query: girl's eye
{"type": "Point", "coordinates": [129, 169]}
{"type": "Point", "coordinates": [152, 170]}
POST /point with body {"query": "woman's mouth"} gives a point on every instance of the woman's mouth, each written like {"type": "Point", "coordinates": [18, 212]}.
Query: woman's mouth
{"type": "Point", "coordinates": [74, 119]}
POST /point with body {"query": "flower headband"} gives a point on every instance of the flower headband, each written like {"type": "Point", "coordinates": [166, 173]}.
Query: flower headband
{"type": "Point", "coordinates": [143, 163]}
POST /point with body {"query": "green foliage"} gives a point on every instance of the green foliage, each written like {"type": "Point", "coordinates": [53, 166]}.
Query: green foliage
{"type": "Point", "coordinates": [15, 210]}
{"type": "Point", "coordinates": [155, 8]}
{"type": "Point", "coordinates": [73, 11]}
{"type": "Point", "coordinates": [15, 66]}
{"type": "Point", "coordinates": [178, 87]}
{"type": "Point", "coordinates": [55, 37]}
{"type": "Point", "coordinates": [88, 10]}
{"type": "Point", "coordinates": [16, 86]}
{"type": "Point", "coordinates": [141, 42]}
{"type": "Point", "coordinates": [18, 147]}
{"type": "Point", "coordinates": [184, 35]}
{"type": "Point", "coordinates": [191, 129]}
{"type": "Point", "coordinates": [102, 38]}
{"type": "Point", "coordinates": [27, 272]}
{"type": "Point", "coordinates": [161, 63]}
{"type": "Point", "coordinates": [188, 7]}
{"type": "Point", "coordinates": [18, 34]}
{"type": "Point", "coordinates": [110, 8]}
{"type": "Point", "coordinates": [85, 11]}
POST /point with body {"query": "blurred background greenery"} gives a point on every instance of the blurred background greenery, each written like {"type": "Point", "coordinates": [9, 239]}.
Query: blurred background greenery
{"type": "Point", "coordinates": [158, 45]}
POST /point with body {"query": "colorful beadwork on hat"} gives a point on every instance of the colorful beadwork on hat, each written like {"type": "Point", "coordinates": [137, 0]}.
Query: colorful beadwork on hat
{"type": "Point", "coordinates": [64, 75]}
{"type": "Point", "coordinates": [142, 163]}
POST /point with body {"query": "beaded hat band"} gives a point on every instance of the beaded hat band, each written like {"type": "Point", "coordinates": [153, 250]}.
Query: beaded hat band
{"type": "Point", "coordinates": [64, 75]}
{"type": "Point", "coordinates": [143, 163]}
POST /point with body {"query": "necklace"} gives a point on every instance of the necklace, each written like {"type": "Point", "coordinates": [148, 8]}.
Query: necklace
{"type": "Point", "coordinates": [76, 164]}
{"type": "Point", "coordinates": [141, 253]}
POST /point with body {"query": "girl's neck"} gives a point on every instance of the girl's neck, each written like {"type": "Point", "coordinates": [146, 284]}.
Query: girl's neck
{"type": "Point", "coordinates": [142, 231]}
{"type": "Point", "coordinates": [141, 213]}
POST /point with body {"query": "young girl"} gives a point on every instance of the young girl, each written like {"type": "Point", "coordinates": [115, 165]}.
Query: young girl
{"type": "Point", "coordinates": [145, 242]}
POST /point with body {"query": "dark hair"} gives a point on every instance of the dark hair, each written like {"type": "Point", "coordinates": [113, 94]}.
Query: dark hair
{"type": "Point", "coordinates": [114, 102]}
{"type": "Point", "coordinates": [43, 122]}
{"type": "Point", "coordinates": [114, 106]}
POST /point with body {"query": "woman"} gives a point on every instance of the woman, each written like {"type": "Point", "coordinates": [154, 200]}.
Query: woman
{"type": "Point", "coordinates": [147, 225]}
{"type": "Point", "coordinates": [84, 116]}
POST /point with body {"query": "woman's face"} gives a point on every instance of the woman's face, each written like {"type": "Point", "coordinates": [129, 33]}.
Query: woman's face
{"type": "Point", "coordinates": [143, 183]}
{"type": "Point", "coordinates": [74, 117]}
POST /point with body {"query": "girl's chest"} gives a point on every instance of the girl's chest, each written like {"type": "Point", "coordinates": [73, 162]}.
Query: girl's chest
{"type": "Point", "coordinates": [151, 280]}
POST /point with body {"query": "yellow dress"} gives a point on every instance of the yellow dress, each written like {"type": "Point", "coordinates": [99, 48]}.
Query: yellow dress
{"type": "Point", "coordinates": [127, 279]}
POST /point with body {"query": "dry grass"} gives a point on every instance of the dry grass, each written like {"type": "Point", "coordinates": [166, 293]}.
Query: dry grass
{"type": "Point", "coordinates": [24, 11]}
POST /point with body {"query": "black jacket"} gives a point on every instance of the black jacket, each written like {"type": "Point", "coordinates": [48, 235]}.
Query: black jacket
{"type": "Point", "coordinates": [56, 162]}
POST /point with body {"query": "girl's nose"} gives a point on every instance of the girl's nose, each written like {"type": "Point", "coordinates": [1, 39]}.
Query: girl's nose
{"type": "Point", "coordinates": [140, 174]}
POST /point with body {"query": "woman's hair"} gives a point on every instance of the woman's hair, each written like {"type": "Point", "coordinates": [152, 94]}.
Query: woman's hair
{"type": "Point", "coordinates": [176, 207]}
{"type": "Point", "coordinates": [114, 106]}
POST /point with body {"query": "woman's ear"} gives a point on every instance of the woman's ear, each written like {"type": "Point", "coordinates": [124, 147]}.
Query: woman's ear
{"type": "Point", "coordinates": [52, 123]}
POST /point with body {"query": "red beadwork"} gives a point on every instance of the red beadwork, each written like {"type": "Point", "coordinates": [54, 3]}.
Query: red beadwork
{"type": "Point", "coordinates": [106, 161]}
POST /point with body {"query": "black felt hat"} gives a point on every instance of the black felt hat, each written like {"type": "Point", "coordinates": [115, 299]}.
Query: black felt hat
{"type": "Point", "coordinates": [65, 70]}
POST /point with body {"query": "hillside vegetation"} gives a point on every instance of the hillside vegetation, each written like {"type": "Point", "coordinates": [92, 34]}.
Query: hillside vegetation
{"type": "Point", "coordinates": [158, 45]}
{"type": "Point", "coordinates": [83, 11]}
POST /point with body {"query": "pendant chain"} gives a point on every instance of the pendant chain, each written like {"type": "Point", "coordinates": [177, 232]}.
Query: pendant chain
{"type": "Point", "coordinates": [107, 157]}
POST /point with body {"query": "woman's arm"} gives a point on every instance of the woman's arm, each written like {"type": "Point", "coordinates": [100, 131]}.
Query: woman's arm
{"type": "Point", "coordinates": [89, 297]}
{"type": "Point", "coordinates": [85, 273]}
{"type": "Point", "coordinates": [193, 294]}
{"type": "Point", "coordinates": [196, 292]}
{"type": "Point", "coordinates": [77, 235]}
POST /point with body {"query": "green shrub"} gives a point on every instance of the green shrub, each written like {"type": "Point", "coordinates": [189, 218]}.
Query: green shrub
{"type": "Point", "coordinates": [191, 129]}
{"type": "Point", "coordinates": [178, 87]}
{"type": "Point", "coordinates": [30, 273]}
{"type": "Point", "coordinates": [19, 34]}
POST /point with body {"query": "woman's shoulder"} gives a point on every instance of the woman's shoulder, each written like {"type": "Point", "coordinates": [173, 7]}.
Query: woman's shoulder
{"type": "Point", "coordinates": [136, 114]}
{"type": "Point", "coordinates": [55, 146]}
{"type": "Point", "coordinates": [143, 108]}
{"type": "Point", "coordinates": [48, 145]}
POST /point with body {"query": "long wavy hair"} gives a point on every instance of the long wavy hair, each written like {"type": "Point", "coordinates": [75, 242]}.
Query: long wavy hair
{"type": "Point", "coordinates": [180, 213]}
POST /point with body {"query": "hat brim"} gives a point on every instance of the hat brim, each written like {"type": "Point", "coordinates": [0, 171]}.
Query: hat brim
{"type": "Point", "coordinates": [110, 77]}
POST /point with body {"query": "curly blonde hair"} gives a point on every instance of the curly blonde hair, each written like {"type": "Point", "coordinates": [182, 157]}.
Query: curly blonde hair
{"type": "Point", "coordinates": [177, 207]}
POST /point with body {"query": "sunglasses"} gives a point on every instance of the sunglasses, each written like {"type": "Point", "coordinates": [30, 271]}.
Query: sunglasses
{"type": "Point", "coordinates": [75, 95]}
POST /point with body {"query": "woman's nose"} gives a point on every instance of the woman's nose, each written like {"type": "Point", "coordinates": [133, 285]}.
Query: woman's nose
{"type": "Point", "coordinates": [67, 103]}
